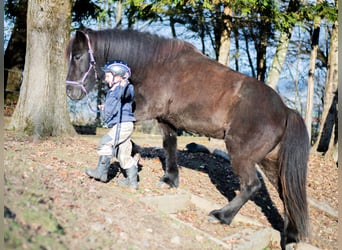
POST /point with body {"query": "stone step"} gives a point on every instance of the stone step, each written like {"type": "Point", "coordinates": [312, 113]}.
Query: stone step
{"type": "Point", "coordinates": [256, 238]}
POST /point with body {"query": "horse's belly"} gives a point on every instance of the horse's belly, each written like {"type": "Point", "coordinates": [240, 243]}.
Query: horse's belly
{"type": "Point", "coordinates": [205, 127]}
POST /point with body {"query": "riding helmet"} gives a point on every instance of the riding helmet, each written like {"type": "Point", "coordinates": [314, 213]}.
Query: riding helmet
{"type": "Point", "coordinates": [117, 67]}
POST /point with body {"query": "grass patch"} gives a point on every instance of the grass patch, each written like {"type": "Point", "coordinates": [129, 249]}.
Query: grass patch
{"type": "Point", "coordinates": [32, 226]}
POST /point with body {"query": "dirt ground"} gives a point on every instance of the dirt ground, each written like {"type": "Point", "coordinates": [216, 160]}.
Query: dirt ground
{"type": "Point", "coordinates": [51, 204]}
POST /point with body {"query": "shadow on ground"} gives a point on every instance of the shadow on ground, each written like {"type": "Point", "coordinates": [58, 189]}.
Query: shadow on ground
{"type": "Point", "coordinates": [221, 175]}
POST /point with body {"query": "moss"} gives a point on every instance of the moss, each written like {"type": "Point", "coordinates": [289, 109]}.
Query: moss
{"type": "Point", "coordinates": [29, 127]}
{"type": "Point", "coordinates": [12, 237]}
{"type": "Point", "coordinates": [33, 225]}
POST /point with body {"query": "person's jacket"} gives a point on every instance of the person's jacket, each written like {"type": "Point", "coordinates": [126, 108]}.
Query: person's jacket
{"type": "Point", "coordinates": [118, 105]}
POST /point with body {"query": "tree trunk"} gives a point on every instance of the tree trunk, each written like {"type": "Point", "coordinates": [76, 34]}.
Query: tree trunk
{"type": "Point", "coordinates": [311, 78]}
{"type": "Point", "coordinates": [260, 33]}
{"type": "Point", "coordinates": [119, 10]}
{"type": "Point", "coordinates": [225, 38]}
{"type": "Point", "coordinates": [42, 109]}
{"type": "Point", "coordinates": [14, 58]}
{"type": "Point", "coordinates": [250, 61]}
{"type": "Point", "coordinates": [261, 47]}
{"type": "Point", "coordinates": [278, 60]}
{"type": "Point", "coordinates": [329, 114]}
{"type": "Point", "coordinates": [280, 55]}
{"type": "Point", "coordinates": [237, 48]}
{"type": "Point", "coordinates": [327, 137]}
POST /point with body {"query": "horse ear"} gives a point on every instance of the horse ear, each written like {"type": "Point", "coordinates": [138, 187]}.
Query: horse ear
{"type": "Point", "coordinates": [80, 37]}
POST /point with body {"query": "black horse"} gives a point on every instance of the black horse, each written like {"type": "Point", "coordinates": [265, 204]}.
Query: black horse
{"type": "Point", "coordinates": [183, 89]}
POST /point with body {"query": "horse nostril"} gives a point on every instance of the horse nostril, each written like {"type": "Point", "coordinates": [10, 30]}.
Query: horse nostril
{"type": "Point", "coordinates": [68, 91]}
{"type": "Point", "coordinates": [75, 91]}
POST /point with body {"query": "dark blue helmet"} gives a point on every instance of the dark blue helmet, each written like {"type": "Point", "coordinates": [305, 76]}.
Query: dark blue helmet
{"type": "Point", "coordinates": [117, 68]}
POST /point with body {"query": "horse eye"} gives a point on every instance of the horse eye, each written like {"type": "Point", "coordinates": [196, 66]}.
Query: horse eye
{"type": "Point", "coordinates": [77, 57]}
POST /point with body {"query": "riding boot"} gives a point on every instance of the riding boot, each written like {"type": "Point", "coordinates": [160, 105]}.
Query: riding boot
{"type": "Point", "coordinates": [132, 178]}
{"type": "Point", "coordinates": [101, 171]}
{"type": "Point", "coordinates": [132, 174]}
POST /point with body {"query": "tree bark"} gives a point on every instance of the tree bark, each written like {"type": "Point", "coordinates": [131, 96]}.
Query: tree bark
{"type": "Point", "coordinates": [225, 38]}
{"type": "Point", "coordinates": [250, 61]}
{"type": "Point", "coordinates": [261, 54]}
{"type": "Point", "coordinates": [42, 108]}
{"type": "Point", "coordinates": [326, 138]}
{"type": "Point", "coordinates": [278, 60]}
{"type": "Point", "coordinates": [14, 58]}
{"type": "Point", "coordinates": [311, 78]}
{"type": "Point", "coordinates": [237, 48]}
{"type": "Point", "coordinates": [119, 10]}
{"type": "Point", "coordinates": [280, 55]}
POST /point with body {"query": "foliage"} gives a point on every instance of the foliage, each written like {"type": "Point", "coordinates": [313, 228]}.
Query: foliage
{"type": "Point", "coordinates": [144, 11]}
{"type": "Point", "coordinates": [14, 8]}
{"type": "Point", "coordinates": [323, 10]}
{"type": "Point", "coordinates": [84, 9]}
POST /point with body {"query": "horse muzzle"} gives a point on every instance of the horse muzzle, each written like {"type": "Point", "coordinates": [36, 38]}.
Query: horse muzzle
{"type": "Point", "coordinates": [75, 92]}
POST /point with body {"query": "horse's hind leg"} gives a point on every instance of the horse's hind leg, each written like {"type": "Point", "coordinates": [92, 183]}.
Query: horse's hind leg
{"type": "Point", "coordinates": [271, 169]}
{"type": "Point", "coordinates": [170, 146]}
{"type": "Point", "coordinates": [249, 185]}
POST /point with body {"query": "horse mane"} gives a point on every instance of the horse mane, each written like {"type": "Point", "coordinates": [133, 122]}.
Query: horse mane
{"type": "Point", "coordinates": [143, 47]}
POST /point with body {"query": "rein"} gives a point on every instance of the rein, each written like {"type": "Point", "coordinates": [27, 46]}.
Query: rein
{"type": "Point", "coordinates": [92, 65]}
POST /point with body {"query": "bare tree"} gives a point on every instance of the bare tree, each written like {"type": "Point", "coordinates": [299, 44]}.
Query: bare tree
{"type": "Point", "coordinates": [119, 10]}
{"type": "Point", "coordinates": [225, 37]}
{"type": "Point", "coordinates": [326, 138]}
{"type": "Point", "coordinates": [42, 110]}
{"type": "Point", "coordinates": [312, 67]}
{"type": "Point", "coordinates": [281, 51]}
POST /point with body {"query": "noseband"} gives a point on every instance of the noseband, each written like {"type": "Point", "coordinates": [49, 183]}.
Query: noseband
{"type": "Point", "coordinates": [92, 65]}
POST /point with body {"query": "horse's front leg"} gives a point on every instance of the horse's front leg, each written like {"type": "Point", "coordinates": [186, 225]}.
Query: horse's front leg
{"type": "Point", "coordinates": [171, 175]}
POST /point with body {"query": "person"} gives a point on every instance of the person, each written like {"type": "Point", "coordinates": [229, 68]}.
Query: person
{"type": "Point", "coordinates": [119, 118]}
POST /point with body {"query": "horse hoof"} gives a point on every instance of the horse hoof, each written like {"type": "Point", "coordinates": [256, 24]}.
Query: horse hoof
{"type": "Point", "coordinates": [212, 219]}
{"type": "Point", "coordinates": [216, 216]}
{"type": "Point", "coordinates": [163, 185]}
{"type": "Point", "coordinates": [168, 181]}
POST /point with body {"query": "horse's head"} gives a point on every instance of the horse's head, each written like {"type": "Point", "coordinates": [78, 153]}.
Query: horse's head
{"type": "Point", "coordinates": [82, 72]}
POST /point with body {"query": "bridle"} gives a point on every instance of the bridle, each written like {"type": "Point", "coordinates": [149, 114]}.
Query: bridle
{"type": "Point", "coordinates": [92, 65]}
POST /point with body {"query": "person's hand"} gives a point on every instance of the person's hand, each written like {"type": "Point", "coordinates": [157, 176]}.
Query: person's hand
{"type": "Point", "coordinates": [101, 107]}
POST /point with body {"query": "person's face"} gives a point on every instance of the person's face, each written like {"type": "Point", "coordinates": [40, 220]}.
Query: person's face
{"type": "Point", "coordinates": [110, 79]}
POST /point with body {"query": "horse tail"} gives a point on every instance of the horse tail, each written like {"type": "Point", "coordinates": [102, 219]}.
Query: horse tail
{"type": "Point", "coordinates": [294, 153]}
